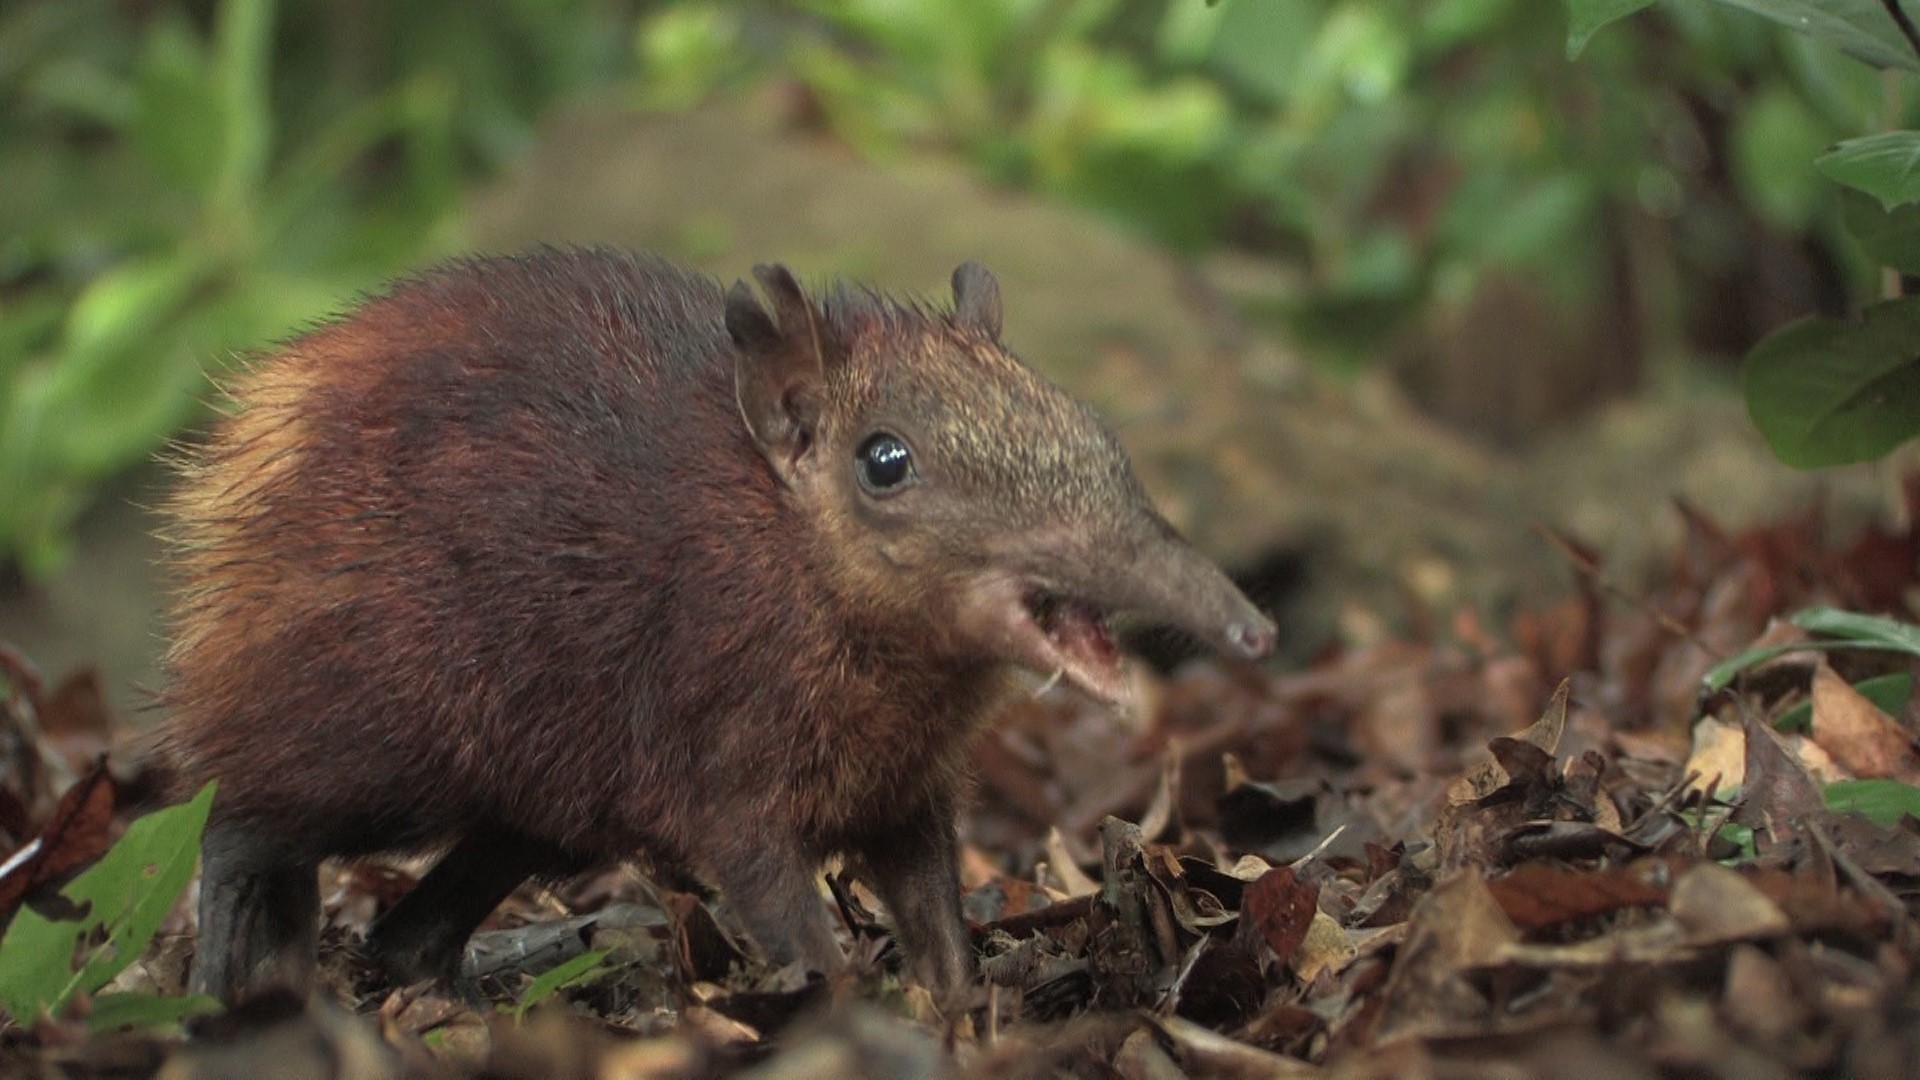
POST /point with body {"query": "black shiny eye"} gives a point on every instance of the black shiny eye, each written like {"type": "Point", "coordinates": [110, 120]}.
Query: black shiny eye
{"type": "Point", "coordinates": [883, 462]}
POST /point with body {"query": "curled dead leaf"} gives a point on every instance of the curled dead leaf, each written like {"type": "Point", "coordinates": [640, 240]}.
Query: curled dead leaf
{"type": "Point", "coordinates": [1857, 733]}
{"type": "Point", "coordinates": [1544, 735]}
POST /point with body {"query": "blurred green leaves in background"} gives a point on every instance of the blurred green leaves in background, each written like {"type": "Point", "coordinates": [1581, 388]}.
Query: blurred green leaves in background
{"type": "Point", "coordinates": [182, 179]}
{"type": "Point", "coordinates": [1826, 392]}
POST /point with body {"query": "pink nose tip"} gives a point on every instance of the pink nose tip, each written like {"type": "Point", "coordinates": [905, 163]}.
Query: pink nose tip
{"type": "Point", "coordinates": [1253, 640]}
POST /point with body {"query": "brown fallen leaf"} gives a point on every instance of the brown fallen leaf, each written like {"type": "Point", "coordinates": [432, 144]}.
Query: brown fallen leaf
{"type": "Point", "coordinates": [1759, 995]}
{"type": "Point", "coordinates": [1140, 1058]}
{"type": "Point", "coordinates": [79, 831]}
{"type": "Point", "coordinates": [1208, 1053]}
{"type": "Point", "coordinates": [1778, 794]}
{"type": "Point", "coordinates": [1849, 726]}
{"type": "Point", "coordinates": [1539, 895]}
{"type": "Point", "coordinates": [1716, 905]}
{"type": "Point", "coordinates": [1326, 948]}
{"type": "Point", "coordinates": [1490, 776]}
{"type": "Point", "coordinates": [1072, 881]}
{"type": "Point", "coordinates": [1277, 909]}
{"type": "Point", "coordinates": [1399, 724]}
{"type": "Point", "coordinates": [76, 721]}
{"type": "Point", "coordinates": [1717, 763]}
{"type": "Point", "coordinates": [1454, 928]}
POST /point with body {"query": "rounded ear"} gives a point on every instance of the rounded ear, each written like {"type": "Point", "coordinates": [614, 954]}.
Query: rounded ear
{"type": "Point", "coordinates": [779, 368]}
{"type": "Point", "coordinates": [976, 299]}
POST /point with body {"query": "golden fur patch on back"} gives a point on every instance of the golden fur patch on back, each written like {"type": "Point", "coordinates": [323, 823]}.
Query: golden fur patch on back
{"type": "Point", "coordinates": [222, 493]}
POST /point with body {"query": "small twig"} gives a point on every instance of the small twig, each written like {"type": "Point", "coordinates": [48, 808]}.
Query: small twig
{"type": "Point", "coordinates": [1590, 568]}
{"type": "Point", "coordinates": [1319, 849]}
{"type": "Point", "coordinates": [1053, 680]}
{"type": "Point", "coordinates": [1869, 885]}
{"type": "Point", "coordinates": [1907, 29]}
{"type": "Point", "coordinates": [1170, 997]}
{"type": "Point", "coordinates": [541, 945]}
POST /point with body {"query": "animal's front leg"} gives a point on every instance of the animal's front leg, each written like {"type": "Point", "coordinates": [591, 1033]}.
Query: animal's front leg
{"type": "Point", "coordinates": [916, 869]}
{"type": "Point", "coordinates": [774, 890]}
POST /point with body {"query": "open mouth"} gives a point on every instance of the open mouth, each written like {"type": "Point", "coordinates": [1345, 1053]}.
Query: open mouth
{"type": "Point", "coordinates": [1050, 632]}
{"type": "Point", "coordinates": [1074, 626]}
{"type": "Point", "coordinates": [1069, 637]}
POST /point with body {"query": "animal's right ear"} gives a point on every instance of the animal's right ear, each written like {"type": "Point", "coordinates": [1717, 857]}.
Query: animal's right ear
{"type": "Point", "coordinates": [779, 368]}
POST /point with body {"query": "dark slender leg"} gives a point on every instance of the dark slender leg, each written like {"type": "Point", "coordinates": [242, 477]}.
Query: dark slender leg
{"type": "Point", "coordinates": [774, 893]}
{"type": "Point", "coordinates": [259, 916]}
{"type": "Point", "coordinates": [917, 871]}
{"type": "Point", "coordinates": [422, 937]}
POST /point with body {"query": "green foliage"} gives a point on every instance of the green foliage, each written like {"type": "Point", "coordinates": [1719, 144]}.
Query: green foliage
{"type": "Point", "coordinates": [1889, 237]}
{"type": "Point", "coordinates": [1848, 629]}
{"type": "Point", "coordinates": [1886, 167]}
{"type": "Point", "coordinates": [1861, 27]}
{"type": "Point", "coordinates": [1831, 393]}
{"type": "Point", "coordinates": [1400, 151]}
{"type": "Point", "coordinates": [1826, 392]}
{"type": "Point", "coordinates": [1884, 801]}
{"type": "Point", "coordinates": [1867, 631]}
{"type": "Point", "coordinates": [578, 971]}
{"type": "Point", "coordinates": [177, 189]}
{"type": "Point", "coordinates": [46, 962]}
{"type": "Point", "coordinates": [1586, 17]}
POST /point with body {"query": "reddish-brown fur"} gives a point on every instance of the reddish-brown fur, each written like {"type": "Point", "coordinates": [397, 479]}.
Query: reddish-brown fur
{"type": "Point", "coordinates": [458, 558]}
{"type": "Point", "coordinates": [498, 557]}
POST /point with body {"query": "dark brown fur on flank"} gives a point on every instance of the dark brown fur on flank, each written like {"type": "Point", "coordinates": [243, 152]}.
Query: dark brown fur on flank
{"type": "Point", "coordinates": [562, 558]}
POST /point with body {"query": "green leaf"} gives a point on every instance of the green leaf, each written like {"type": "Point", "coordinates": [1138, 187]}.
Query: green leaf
{"type": "Point", "coordinates": [1832, 393]}
{"type": "Point", "coordinates": [1861, 27]}
{"type": "Point", "coordinates": [1871, 631]}
{"type": "Point", "coordinates": [1586, 17]}
{"type": "Point", "coordinates": [175, 122]}
{"type": "Point", "coordinates": [1891, 238]}
{"type": "Point", "coordinates": [1854, 631]}
{"type": "Point", "coordinates": [125, 895]}
{"type": "Point", "coordinates": [242, 53]}
{"type": "Point", "coordinates": [1884, 801]}
{"type": "Point", "coordinates": [118, 1012]}
{"type": "Point", "coordinates": [581, 969]}
{"type": "Point", "coordinates": [126, 305]}
{"type": "Point", "coordinates": [1262, 48]}
{"type": "Point", "coordinates": [1741, 837]}
{"type": "Point", "coordinates": [137, 882]}
{"type": "Point", "coordinates": [1721, 675]}
{"type": "Point", "coordinates": [1888, 692]}
{"type": "Point", "coordinates": [1885, 166]}
{"type": "Point", "coordinates": [1775, 135]}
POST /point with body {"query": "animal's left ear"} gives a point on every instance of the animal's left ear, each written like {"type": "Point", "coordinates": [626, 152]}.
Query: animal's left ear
{"type": "Point", "coordinates": [976, 299]}
{"type": "Point", "coordinates": [781, 369]}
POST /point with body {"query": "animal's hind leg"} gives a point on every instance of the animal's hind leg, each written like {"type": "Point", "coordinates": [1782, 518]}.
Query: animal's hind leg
{"type": "Point", "coordinates": [259, 915]}
{"type": "Point", "coordinates": [422, 937]}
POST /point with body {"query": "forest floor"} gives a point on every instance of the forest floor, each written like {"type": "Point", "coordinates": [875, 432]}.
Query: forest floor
{"type": "Point", "coordinates": [1546, 848]}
